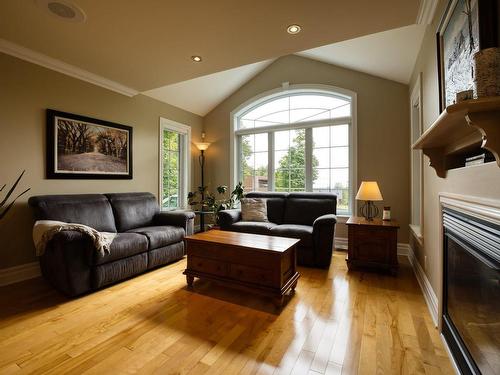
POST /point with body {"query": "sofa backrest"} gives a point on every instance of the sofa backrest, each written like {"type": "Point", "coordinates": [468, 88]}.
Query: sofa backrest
{"type": "Point", "coordinates": [93, 210]}
{"type": "Point", "coordinates": [304, 208]}
{"type": "Point", "coordinates": [275, 204]}
{"type": "Point", "coordinates": [133, 210]}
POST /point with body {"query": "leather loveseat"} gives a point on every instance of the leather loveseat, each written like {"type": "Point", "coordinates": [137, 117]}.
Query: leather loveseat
{"type": "Point", "coordinates": [146, 238]}
{"type": "Point", "coordinates": [311, 217]}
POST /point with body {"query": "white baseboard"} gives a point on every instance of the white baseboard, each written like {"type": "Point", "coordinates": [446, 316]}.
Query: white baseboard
{"type": "Point", "coordinates": [342, 242]}
{"type": "Point", "coordinates": [429, 295]}
{"type": "Point", "coordinates": [19, 273]}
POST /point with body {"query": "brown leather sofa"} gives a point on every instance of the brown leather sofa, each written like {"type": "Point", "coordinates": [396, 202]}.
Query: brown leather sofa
{"type": "Point", "coordinates": [146, 238]}
{"type": "Point", "coordinates": [311, 217]}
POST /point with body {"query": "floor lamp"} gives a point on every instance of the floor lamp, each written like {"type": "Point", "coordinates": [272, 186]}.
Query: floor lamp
{"type": "Point", "coordinates": [202, 146]}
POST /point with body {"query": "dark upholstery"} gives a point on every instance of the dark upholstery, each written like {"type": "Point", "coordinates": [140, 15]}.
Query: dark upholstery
{"type": "Point", "coordinates": [302, 232]}
{"type": "Point", "coordinates": [124, 245]}
{"type": "Point", "coordinates": [275, 204]}
{"type": "Point", "coordinates": [309, 217]}
{"type": "Point", "coordinates": [133, 210]}
{"type": "Point", "coordinates": [160, 236]}
{"type": "Point", "coordinates": [256, 227]}
{"type": "Point", "coordinates": [303, 209]}
{"type": "Point", "coordinates": [93, 210]}
{"type": "Point", "coordinates": [147, 238]}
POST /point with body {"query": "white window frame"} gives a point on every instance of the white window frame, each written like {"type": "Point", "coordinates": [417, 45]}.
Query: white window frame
{"type": "Point", "coordinates": [298, 89]}
{"type": "Point", "coordinates": [416, 101]}
{"type": "Point", "coordinates": [185, 159]}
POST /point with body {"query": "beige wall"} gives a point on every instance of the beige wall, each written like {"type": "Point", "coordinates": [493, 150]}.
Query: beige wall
{"type": "Point", "coordinates": [481, 181]}
{"type": "Point", "coordinates": [26, 90]}
{"type": "Point", "coordinates": [383, 127]}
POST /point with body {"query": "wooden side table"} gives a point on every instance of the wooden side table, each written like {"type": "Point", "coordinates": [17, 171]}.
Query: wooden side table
{"type": "Point", "coordinates": [372, 243]}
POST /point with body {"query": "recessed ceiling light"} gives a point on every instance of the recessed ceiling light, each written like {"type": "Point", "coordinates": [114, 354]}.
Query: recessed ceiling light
{"type": "Point", "coordinates": [293, 29]}
{"type": "Point", "coordinates": [62, 9]}
{"type": "Point", "coordinates": [196, 58]}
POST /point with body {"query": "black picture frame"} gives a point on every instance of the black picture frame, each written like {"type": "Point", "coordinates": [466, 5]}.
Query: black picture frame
{"type": "Point", "coordinates": [99, 141]}
{"type": "Point", "coordinates": [488, 34]}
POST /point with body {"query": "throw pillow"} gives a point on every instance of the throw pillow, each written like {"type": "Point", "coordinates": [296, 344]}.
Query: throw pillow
{"type": "Point", "coordinates": [254, 209]}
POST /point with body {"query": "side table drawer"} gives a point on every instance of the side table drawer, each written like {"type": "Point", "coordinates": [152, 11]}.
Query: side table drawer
{"type": "Point", "coordinates": [250, 274]}
{"type": "Point", "coordinates": [208, 266]}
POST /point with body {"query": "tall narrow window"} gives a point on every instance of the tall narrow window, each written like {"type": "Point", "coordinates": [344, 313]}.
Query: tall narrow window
{"type": "Point", "coordinates": [174, 164]}
{"type": "Point", "coordinates": [416, 163]}
{"type": "Point", "coordinates": [297, 140]}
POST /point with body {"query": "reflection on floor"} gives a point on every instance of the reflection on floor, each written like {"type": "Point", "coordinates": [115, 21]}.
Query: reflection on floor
{"type": "Point", "coordinates": [337, 322]}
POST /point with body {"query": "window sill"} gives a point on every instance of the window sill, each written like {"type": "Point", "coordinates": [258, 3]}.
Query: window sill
{"type": "Point", "coordinates": [416, 230]}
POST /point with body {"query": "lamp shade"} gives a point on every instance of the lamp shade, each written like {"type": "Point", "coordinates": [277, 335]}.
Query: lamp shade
{"type": "Point", "coordinates": [369, 191]}
{"type": "Point", "coordinates": [202, 146]}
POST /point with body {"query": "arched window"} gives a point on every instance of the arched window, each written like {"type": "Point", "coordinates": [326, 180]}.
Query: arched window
{"type": "Point", "coordinates": [297, 139]}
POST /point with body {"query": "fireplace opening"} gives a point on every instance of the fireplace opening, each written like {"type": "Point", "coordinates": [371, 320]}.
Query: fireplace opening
{"type": "Point", "coordinates": [471, 292]}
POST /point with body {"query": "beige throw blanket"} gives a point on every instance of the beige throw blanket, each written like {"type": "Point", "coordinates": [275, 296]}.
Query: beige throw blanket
{"type": "Point", "coordinates": [45, 230]}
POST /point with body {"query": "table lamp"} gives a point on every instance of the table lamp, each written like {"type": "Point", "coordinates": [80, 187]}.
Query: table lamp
{"type": "Point", "coordinates": [369, 192]}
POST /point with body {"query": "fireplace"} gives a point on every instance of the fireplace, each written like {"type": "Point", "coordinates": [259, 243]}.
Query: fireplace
{"type": "Point", "coordinates": [471, 292]}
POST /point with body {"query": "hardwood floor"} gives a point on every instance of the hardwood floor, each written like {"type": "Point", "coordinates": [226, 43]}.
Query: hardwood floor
{"type": "Point", "coordinates": [337, 323]}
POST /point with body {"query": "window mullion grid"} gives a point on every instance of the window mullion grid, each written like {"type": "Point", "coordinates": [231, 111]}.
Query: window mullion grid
{"type": "Point", "coordinates": [270, 161]}
{"type": "Point", "coordinates": [308, 159]}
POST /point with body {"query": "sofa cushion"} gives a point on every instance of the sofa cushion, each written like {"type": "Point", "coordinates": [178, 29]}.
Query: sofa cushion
{"type": "Point", "coordinates": [254, 209]}
{"type": "Point", "coordinates": [160, 236]}
{"type": "Point", "coordinates": [256, 227]}
{"type": "Point", "coordinates": [304, 208]}
{"type": "Point", "coordinates": [302, 232]}
{"type": "Point", "coordinates": [165, 255]}
{"type": "Point", "coordinates": [123, 245]}
{"type": "Point", "coordinates": [275, 204]}
{"type": "Point", "coordinates": [133, 210]}
{"type": "Point", "coordinates": [93, 210]}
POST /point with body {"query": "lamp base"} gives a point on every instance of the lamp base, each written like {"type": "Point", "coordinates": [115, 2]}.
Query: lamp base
{"type": "Point", "coordinates": [369, 210]}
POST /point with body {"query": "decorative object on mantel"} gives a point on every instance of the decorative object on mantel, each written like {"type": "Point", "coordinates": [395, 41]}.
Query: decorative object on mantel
{"type": "Point", "coordinates": [3, 211]}
{"type": "Point", "coordinates": [466, 27]}
{"type": "Point", "coordinates": [80, 147]}
{"type": "Point", "coordinates": [369, 192]}
{"type": "Point", "coordinates": [462, 130]}
{"type": "Point", "coordinates": [487, 69]}
{"type": "Point", "coordinates": [464, 95]}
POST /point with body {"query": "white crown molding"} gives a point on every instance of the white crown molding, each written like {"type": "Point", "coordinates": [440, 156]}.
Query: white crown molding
{"type": "Point", "coordinates": [19, 273]}
{"type": "Point", "coordinates": [48, 62]}
{"type": "Point", "coordinates": [426, 12]}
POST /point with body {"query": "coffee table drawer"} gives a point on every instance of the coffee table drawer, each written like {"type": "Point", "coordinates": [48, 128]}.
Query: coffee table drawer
{"type": "Point", "coordinates": [208, 266]}
{"type": "Point", "coordinates": [250, 274]}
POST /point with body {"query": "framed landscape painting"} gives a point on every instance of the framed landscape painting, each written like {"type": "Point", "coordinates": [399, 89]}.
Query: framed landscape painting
{"type": "Point", "coordinates": [466, 27]}
{"type": "Point", "coordinates": [80, 147]}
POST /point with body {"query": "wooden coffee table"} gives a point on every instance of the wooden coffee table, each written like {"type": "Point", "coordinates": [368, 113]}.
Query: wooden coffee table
{"type": "Point", "coordinates": [251, 262]}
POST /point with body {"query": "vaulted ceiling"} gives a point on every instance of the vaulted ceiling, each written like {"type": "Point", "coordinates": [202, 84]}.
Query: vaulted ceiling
{"type": "Point", "coordinates": [147, 44]}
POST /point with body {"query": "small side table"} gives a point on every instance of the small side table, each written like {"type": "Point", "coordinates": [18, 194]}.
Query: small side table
{"type": "Point", "coordinates": [372, 243]}
{"type": "Point", "coordinates": [202, 218]}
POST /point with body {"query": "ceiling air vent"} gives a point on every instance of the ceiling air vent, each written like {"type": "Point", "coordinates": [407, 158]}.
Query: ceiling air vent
{"type": "Point", "coordinates": [62, 9]}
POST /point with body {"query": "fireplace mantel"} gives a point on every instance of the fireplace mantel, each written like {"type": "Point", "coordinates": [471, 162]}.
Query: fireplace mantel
{"type": "Point", "coordinates": [460, 130]}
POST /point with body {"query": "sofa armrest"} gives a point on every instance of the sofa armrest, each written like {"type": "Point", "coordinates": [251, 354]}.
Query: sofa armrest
{"type": "Point", "coordinates": [184, 219]}
{"type": "Point", "coordinates": [229, 217]}
{"type": "Point", "coordinates": [323, 234]}
{"type": "Point", "coordinates": [67, 262]}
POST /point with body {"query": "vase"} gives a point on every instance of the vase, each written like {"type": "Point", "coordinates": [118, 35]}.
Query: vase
{"type": "Point", "coordinates": [487, 72]}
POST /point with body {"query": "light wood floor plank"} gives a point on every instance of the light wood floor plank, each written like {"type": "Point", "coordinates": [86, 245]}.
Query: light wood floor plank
{"type": "Point", "coordinates": [338, 322]}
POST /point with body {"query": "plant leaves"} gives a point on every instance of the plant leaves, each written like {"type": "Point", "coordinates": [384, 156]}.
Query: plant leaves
{"type": "Point", "coordinates": [4, 212]}
{"type": "Point", "coordinates": [12, 189]}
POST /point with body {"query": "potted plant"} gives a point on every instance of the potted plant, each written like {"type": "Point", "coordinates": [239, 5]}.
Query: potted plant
{"type": "Point", "coordinates": [205, 201]}
{"type": "Point", "coordinates": [3, 211]}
